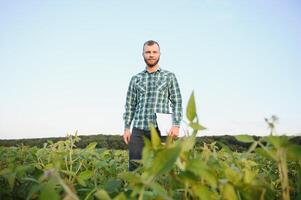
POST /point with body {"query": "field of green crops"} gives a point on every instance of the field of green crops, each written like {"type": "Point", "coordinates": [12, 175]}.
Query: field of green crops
{"type": "Point", "coordinates": [176, 169]}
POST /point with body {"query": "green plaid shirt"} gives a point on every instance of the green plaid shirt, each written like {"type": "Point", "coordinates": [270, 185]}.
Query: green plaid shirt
{"type": "Point", "coordinates": [150, 93]}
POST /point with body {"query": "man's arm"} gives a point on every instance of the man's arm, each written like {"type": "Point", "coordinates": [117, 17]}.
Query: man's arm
{"type": "Point", "coordinates": [130, 107]}
{"type": "Point", "coordinates": [176, 105]}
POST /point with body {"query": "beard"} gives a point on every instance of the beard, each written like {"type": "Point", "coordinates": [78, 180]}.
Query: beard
{"type": "Point", "coordinates": [151, 64]}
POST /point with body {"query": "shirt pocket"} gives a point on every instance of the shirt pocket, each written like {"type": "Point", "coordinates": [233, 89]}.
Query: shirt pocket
{"type": "Point", "coordinates": [141, 87]}
{"type": "Point", "coordinates": [162, 85]}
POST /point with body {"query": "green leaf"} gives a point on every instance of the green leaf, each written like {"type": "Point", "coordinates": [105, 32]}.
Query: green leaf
{"type": "Point", "coordinates": [233, 175]}
{"type": "Point", "coordinates": [155, 139]}
{"type": "Point", "coordinates": [81, 181]}
{"type": "Point", "coordinates": [164, 160]}
{"type": "Point", "coordinates": [11, 180]}
{"type": "Point", "coordinates": [85, 175]}
{"type": "Point", "coordinates": [188, 143]}
{"type": "Point", "coordinates": [157, 188]}
{"type": "Point", "coordinates": [188, 176]}
{"type": "Point", "coordinates": [203, 192]}
{"type": "Point", "coordinates": [278, 141]}
{"type": "Point", "coordinates": [91, 146]}
{"type": "Point", "coordinates": [228, 192]}
{"type": "Point", "coordinates": [113, 185]}
{"type": "Point", "coordinates": [130, 177]}
{"type": "Point", "coordinates": [48, 166]}
{"type": "Point", "coordinates": [147, 153]}
{"type": "Point", "coordinates": [34, 190]}
{"type": "Point", "coordinates": [21, 170]}
{"type": "Point", "coordinates": [249, 176]}
{"type": "Point", "coordinates": [102, 195]}
{"type": "Point", "coordinates": [100, 164]}
{"type": "Point", "coordinates": [294, 152]}
{"type": "Point", "coordinates": [121, 196]}
{"type": "Point", "coordinates": [5, 171]}
{"type": "Point", "coordinates": [148, 194]}
{"type": "Point", "coordinates": [198, 167]}
{"type": "Point", "coordinates": [48, 192]}
{"type": "Point", "coordinates": [244, 138]}
{"type": "Point", "coordinates": [264, 153]}
{"type": "Point", "coordinates": [197, 126]}
{"type": "Point", "coordinates": [225, 147]}
{"type": "Point", "coordinates": [191, 108]}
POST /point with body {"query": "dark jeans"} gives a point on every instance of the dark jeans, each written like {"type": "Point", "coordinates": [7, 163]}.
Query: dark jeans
{"type": "Point", "coordinates": [136, 146]}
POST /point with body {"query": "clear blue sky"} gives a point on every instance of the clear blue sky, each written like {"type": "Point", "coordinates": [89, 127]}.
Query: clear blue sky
{"type": "Point", "coordinates": [66, 65]}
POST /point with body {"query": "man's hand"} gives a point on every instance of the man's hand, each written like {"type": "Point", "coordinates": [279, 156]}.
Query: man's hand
{"type": "Point", "coordinates": [126, 135]}
{"type": "Point", "coordinates": [174, 131]}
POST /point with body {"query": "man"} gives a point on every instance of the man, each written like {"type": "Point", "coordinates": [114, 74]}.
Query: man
{"type": "Point", "coordinates": [150, 92]}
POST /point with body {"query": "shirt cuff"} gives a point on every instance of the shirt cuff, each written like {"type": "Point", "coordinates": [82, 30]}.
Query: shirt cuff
{"type": "Point", "coordinates": [127, 126]}
{"type": "Point", "coordinates": [176, 123]}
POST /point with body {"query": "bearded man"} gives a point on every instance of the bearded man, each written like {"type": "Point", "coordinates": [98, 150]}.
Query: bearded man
{"type": "Point", "coordinates": [150, 92]}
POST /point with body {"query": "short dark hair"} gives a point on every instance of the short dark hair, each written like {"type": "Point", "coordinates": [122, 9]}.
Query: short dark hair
{"type": "Point", "coordinates": [150, 43]}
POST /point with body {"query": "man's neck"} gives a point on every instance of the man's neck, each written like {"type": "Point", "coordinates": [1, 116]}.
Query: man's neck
{"type": "Point", "coordinates": [152, 69]}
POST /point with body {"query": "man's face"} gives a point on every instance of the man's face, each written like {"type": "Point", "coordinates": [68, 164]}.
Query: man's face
{"type": "Point", "coordinates": [151, 55]}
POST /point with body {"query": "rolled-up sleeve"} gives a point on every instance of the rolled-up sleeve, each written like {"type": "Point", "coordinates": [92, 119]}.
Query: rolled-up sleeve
{"type": "Point", "coordinates": [176, 101]}
{"type": "Point", "coordinates": [130, 105]}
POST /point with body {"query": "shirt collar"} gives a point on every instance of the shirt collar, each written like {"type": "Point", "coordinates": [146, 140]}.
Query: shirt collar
{"type": "Point", "coordinates": [158, 70]}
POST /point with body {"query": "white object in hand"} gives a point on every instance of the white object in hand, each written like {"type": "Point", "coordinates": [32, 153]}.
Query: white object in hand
{"type": "Point", "coordinates": [164, 122]}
